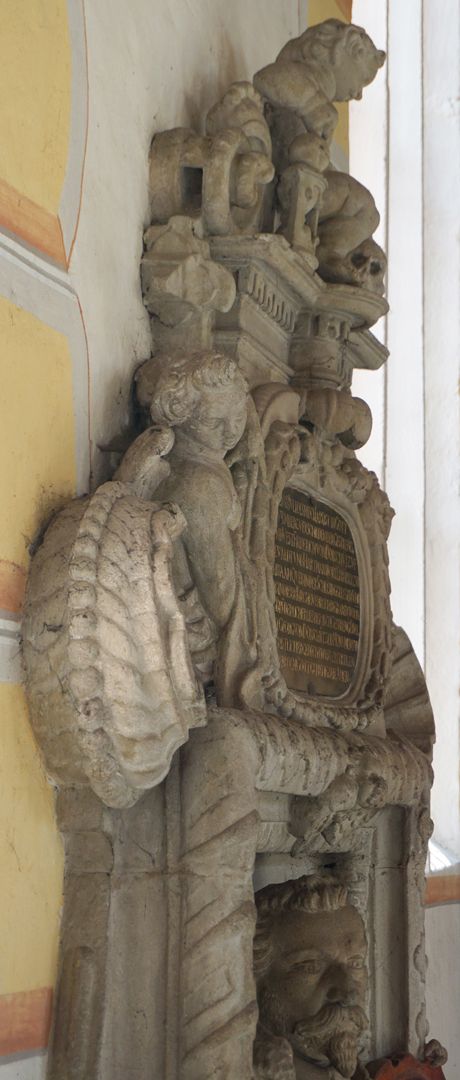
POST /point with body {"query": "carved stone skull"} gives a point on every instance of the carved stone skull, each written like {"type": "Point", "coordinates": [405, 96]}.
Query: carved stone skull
{"type": "Point", "coordinates": [367, 266]}
{"type": "Point", "coordinates": [363, 266]}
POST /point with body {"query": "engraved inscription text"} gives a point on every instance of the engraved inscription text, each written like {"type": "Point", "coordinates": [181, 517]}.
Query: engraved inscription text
{"type": "Point", "coordinates": [317, 596]}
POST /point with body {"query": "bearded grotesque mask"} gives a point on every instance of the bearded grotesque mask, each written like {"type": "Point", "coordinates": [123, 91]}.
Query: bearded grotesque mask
{"type": "Point", "coordinates": [310, 968]}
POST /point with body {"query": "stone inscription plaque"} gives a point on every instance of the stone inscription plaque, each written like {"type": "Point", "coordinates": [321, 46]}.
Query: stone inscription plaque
{"type": "Point", "coordinates": [317, 596]}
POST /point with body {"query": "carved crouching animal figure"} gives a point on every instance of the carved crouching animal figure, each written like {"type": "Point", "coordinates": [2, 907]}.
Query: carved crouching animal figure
{"type": "Point", "coordinates": [329, 62]}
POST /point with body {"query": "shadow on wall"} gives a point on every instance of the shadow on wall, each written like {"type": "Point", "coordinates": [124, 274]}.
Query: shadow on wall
{"type": "Point", "coordinates": [230, 70]}
{"type": "Point", "coordinates": [442, 935]}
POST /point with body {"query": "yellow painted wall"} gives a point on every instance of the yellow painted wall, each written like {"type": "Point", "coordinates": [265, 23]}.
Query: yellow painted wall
{"type": "Point", "coordinates": [31, 857]}
{"type": "Point", "coordinates": [37, 455]}
{"type": "Point", "coordinates": [37, 444]}
{"type": "Point", "coordinates": [37, 471]}
{"type": "Point", "coordinates": [318, 11]}
{"type": "Point", "coordinates": [35, 98]}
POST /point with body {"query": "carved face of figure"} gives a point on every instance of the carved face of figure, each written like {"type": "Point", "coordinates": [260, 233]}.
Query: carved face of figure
{"type": "Point", "coordinates": [344, 49]}
{"type": "Point", "coordinates": [314, 989]}
{"type": "Point", "coordinates": [357, 65]}
{"type": "Point", "coordinates": [218, 420]}
{"type": "Point", "coordinates": [203, 396]}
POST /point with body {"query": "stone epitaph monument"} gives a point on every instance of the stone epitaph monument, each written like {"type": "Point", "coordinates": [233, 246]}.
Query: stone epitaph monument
{"type": "Point", "coordinates": [239, 735]}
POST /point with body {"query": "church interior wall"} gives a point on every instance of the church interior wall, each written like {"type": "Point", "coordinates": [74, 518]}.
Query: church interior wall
{"type": "Point", "coordinates": [82, 93]}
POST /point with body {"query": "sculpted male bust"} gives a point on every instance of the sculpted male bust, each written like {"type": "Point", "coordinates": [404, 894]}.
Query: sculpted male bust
{"type": "Point", "coordinates": [310, 969]}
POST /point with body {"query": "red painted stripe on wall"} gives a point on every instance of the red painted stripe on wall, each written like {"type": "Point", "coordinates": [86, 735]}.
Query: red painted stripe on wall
{"type": "Point", "coordinates": [25, 1020]}
{"type": "Point", "coordinates": [345, 7]}
{"type": "Point", "coordinates": [33, 223]}
{"type": "Point", "coordinates": [12, 586]}
{"type": "Point", "coordinates": [442, 889]}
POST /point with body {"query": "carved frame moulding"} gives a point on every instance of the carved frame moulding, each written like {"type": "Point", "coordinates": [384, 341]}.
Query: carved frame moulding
{"type": "Point", "coordinates": [276, 304]}
{"type": "Point", "coordinates": [333, 476]}
{"type": "Point", "coordinates": [265, 816]}
{"type": "Point", "coordinates": [239, 735]}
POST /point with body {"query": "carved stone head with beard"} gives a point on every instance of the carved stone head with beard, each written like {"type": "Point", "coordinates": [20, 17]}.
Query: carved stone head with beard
{"type": "Point", "coordinates": [310, 969]}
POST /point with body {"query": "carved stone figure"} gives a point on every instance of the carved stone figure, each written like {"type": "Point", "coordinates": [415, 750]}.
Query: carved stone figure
{"type": "Point", "coordinates": [203, 397]}
{"type": "Point", "coordinates": [329, 62]}
{"type": "Point", "coordinates": [310, 967]}
{"type": "Point", "coordinates": [347, 219]}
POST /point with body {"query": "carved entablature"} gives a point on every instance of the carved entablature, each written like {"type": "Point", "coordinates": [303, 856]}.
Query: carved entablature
{"type": "Point", "coordinates": [244, 776]}
{"type": "Point", "coordinates": [256, 195]}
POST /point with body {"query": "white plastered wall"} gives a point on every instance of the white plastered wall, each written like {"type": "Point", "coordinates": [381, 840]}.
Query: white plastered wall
{"type": "Point", "coordinates": [405, 146]}
{"type": "Point", "coordinates": [441, 103]}
{"type": "Point", "coordinates": [151, 66]}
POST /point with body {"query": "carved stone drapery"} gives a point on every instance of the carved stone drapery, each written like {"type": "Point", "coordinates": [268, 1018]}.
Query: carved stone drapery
{"type": "Point", "coordinates": [102, 628]}
{"type": "Point", "coordinates": [190, 773]}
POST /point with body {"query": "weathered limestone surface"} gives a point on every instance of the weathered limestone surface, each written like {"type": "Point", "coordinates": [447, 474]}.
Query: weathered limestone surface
{"type": "Point", "coordinates": [244, 857]}
{"type": "Point", "coordinates": [310, 950]}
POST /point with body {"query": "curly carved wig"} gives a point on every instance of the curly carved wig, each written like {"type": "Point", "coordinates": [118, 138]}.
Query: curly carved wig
{"type": "Point", "coordinates": [171, 386]}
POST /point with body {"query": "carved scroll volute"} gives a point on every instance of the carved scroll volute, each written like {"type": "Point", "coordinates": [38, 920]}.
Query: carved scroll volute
{"type": "Point", "coordinates": [109, 678]}
{"type": "Point", "coordinates": [220, 176]}
{"type": "Point", "coordinates": [329, 62]}
{"type": "Point", "coordinates": [232, 195]}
